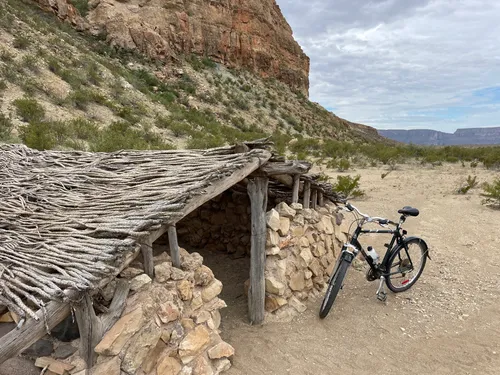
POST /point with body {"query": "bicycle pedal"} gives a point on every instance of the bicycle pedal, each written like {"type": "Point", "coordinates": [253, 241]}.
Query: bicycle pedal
{"type": "Point", "coordinates": [382, 296]}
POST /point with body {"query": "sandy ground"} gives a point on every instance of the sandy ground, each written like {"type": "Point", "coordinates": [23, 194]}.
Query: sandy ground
{"type": "Point", "coordinates": [448, 323]}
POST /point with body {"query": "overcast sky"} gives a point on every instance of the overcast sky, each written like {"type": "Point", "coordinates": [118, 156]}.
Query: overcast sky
{"type": "Point", "coordinates": [403, 63]}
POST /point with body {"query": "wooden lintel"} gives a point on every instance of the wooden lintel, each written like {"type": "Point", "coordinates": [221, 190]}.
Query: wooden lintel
{"type": "Point", "coordinates": [147, 254]}
{"type": "Point", "coordinates": [291, 167]}
{"type": "Point", "coordinates": [314, 198]}
{"type": "Point", "coordinates": [307, 194]}
{"type": "Point", "coordinates": [295, 191]}
{"type": "Point", "coordinates": [257, 190]}
{"type": "Point", "coordinates": [174, 246]}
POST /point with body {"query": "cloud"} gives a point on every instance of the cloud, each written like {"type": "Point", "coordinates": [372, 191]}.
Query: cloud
{"type": "Point", "coordinates": [403, 64]}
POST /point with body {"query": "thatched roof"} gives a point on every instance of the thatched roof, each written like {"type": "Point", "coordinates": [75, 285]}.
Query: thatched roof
{"type": "Point", "coordinates": [68, 218]}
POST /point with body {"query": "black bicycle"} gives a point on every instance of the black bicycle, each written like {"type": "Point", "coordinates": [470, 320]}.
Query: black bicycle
{"type": "Point", "coordinates": [400, 268]}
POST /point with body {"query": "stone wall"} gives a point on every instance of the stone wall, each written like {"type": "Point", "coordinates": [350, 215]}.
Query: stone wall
{"type": "Point", "coordinates": [222, 224]}
{"type": "Point", "coordinates": [170, 325]}
{"type": "Point", "coordinates": [301, 249]}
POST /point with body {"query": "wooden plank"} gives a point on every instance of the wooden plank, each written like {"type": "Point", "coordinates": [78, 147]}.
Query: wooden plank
{"type": "Point", "coordinates": [314, 199]}
{"type": "Point", "coordinates": [320, 199]}
{"type": "Point", "coordinates": [18, 340]}
{"type": "Point", "coordinates": [147, 254]}
{"type": "Point", "coordinates": [215, 189]}
{"type": "Point", "coordinates": [257, 190]}
{"type": "Point", "coordinates": [295, 191]}
{"type": "Point", "coordinates": [57, 367]}
{"type": "Point", "coordinates": [174, 246]}
{"type": "Point", "coordinates": [307, 194]}
{"type": "Point", "coordinates": [90, 329]}
{"type": "Point", "coordinates": [290, 167]}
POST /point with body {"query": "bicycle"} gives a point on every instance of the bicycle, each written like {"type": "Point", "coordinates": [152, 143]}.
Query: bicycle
{"type": "Point", "coordinates": [398, 270]}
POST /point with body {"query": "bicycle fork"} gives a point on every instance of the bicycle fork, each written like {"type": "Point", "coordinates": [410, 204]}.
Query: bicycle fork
{"type": "Point", "coordinates": [381, 294]}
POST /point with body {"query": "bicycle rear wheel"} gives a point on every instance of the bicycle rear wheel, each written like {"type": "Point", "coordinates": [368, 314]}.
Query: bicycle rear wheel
{"type": "Point", "coordinates": [406, 265]}
{"type": "Point", "coordinates": [334, 286]}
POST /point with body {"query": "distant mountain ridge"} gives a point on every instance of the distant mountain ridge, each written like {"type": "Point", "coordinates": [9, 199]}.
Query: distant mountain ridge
{"type": "Point", "coordinates": [467, 136]}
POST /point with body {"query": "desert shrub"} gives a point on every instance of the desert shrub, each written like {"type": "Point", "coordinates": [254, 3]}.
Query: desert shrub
{"type": "Point", "coordinates": [200, 140]}
{"type": "Point", "coordinates": [470, 183]}
{"type": "Point", "coordinates": [180, 129]}
{"type": "Point", "coordinates": [3, 85]}
{"type": "Point", "coordinates": [82, 6]}
{"type": "Point", "coordinates": [343, 165]}
{"type": "Point", "coordinates": [473, 164]}
{"type": "Point", "coordinates": [29, 109]}
{"type": "Point", "coordinates": [348, 186]}
{"type": "Point", "coordinates": [5, 127]}
{"type": "Point", "coordinates": [30, 62]}
{"type": "Point", "coordinates": [492, 193]}
{"type": "Point", "coordinates": [83, 129]}
{"type": "Point", "coordinates": [38, 135]}
{"type": "Point", "coordinates": [82, 98]}
{"type": "Point", "coordinates": [21, 41]}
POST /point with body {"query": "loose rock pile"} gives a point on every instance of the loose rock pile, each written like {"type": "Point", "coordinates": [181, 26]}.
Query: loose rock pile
{"type": "Point", "coordinates": [301, 248]}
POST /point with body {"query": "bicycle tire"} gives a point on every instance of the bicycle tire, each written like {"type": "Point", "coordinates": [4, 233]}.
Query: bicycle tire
{"type": "Point", "coordinates": [406, 284]}
{"type": "Point", "coordinates": [333, 289]}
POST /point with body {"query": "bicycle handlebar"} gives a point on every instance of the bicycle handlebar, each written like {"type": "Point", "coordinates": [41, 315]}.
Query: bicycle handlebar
{"type": "Point", "coordinates": [380, 220]}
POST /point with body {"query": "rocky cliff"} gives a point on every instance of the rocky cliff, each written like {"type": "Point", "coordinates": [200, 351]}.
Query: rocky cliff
{"type": "Point", "coordinates": [469, 136]}
{"type": "Point", "coordinates": [250, 34]}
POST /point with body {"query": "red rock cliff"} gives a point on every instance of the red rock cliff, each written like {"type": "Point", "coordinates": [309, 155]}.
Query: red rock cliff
{"type": "Point", "coordinates": [238, 33]}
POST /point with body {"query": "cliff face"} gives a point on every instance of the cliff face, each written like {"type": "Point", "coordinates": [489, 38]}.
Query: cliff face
{"type": "Point", "coordinates": [237, 33]}
{"type": "Point", "coordinates": [469, 136]}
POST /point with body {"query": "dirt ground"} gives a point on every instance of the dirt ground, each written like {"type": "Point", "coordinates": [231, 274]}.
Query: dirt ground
{"type": "Point", "coordinates": [448, 323]}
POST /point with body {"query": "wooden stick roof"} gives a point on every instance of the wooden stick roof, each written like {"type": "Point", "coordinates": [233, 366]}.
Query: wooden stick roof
{"type": "Point", "coordinates": [68, 218]}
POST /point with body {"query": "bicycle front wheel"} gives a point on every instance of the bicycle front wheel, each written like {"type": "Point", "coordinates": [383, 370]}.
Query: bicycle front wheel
{"type": "Point", "coordinates": [333, 288]}
{"type": "Point", "coordinates": [406, 265]}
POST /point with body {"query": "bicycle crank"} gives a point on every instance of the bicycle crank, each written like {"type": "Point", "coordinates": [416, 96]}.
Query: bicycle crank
{"type": "Point", "coordinates": [381, 294]}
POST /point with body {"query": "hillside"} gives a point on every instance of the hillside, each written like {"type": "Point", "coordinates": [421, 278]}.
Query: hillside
{"type": "Point", "coordinates": [467, 136]}
{"type": "Point", "coordinates": [61, 88]}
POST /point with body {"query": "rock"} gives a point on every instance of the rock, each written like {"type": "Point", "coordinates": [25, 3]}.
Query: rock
{"type": "Point", "coordinates": [202, 367]}
{"type": "Point", "coordinates": [131, 272]}
{"type": "Point", "coordinates": [203, 276]}
{"type": "Point", "coordinates": [163, 271]}
{"type": "Point", "coordinates": [285, 211]}
{"type": "Point", "coordinates": [211, 291]}
{"type": "Point", "coordinates": [274, 286]}
{"type": "Point", "coordinates": [163, 257]}
{"type": "Point", "coordinates": [297, 305]}
{"type": "Point", "coordinates": [273, 250]}
{"type": "Point", "coordinates": [296, 206]}
{"type": "Point", "coordinates": [316, 268]}
{"type": "Point", "coordinates": [308, 274]}
{"type": "Point", "coordinates": [325, 225]}
{"type": "Point", "coordinates": [304, 242]}
{"type": "Point", "coordinates": [297, 231]}
{"type": "Point", "coordinates": [194, 343]}
{"type": "Point", "coordinates": [202, 317]}
{"type": "Point", "coordinates": [221, 365]}
{"type": "Point", "coordinates": [109, 290]}
{"type": "Point", "coordinates": [177, 274]}
{"type": "Point", "coordinates": [272, 239]}
{"type": "Point", "coordinates": [187, 324]}
{"type": "Point", "coordinates": [168, 366]}
{"type": "Point", "coordinates": [273, 220]}
{"type": "Point", "coordinates": [191, 262]}
{"type": "Point", "coordinates": [273, 303]}
{"type": "Point", "coordinates": [197, 301]}
{"type": "Point", "coordinates": [18, 366]}
{"type": "Point", "coordinates": [41, 348]}
{"type": "Point", "coordinates": [139, 281]}
{"type": "Point", "coordinates": [297, 281]}
{"type": "Point", "coordinates": [168, 312]}
{"type": "Point", "coordinates": [319, 250]}
{"type": "Point", "coordinates": [284, 226]}
{"type": "Point", "coordinates": [140, 344]}
{"type": "Point", "coordinates": [299, 219]}
{"type": "Point", "coordinates": [221, 350]}
{"type": "Point", "coordinates": [63, 351]}
{"type": "Point", "coordinates": [116, 338]}
{"type": "Point", "coordinates": [185, 290]}
{"type": "Point", "coordinates": [109, 367]}
{"type": "Point", "coordinates": [306, 255]}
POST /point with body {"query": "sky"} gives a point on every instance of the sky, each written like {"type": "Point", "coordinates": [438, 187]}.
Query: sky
{"type": "Point", "coordinates": [402, 64]}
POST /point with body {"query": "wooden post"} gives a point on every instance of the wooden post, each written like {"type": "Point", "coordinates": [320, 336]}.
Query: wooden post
{"type": "Point", "coordinates": [314, 199]}
{"type": "Point", "coordinates": [257, 190]}
{"type": "Point", "coordinates": [174, 246]}
{"type": "Point", "coordinates": [147, 254]}
{"type": "Point", "coordinates": [320, 199]}
{"type": "Point", "coordinates": [296, 183]}
{"type": "Point", "coordinates": [307, 194]}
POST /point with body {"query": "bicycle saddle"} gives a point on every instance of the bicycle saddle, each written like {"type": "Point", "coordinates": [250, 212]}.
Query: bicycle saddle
{"type": "Point", "coordinates": [407, 210]}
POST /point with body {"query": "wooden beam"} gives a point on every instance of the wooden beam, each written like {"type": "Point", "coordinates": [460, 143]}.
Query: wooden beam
{"type": "Point", "coordinates": [307, 194]}
{"type": "Point", "coordinates": [320, 199]}
{"type": "Point", "coordinates": [257, 190]}
{"type": "Point", "coordinates": [147, 254]}
{"type": "Point", "coordinates": [174, 246]}
{"type": "Point", "coordinates": [18, 340]}
{"type": "Point", "coordinates": [314, 198]}
{"type": "Point", "coordinates": [295, 191]}
{"type": "Point", "coordinates": [290, 167]}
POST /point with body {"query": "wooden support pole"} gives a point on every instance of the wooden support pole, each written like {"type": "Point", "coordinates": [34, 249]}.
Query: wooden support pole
{"type": "Point", "coordinates": [257, 190]}
{"type": "Point", "coordinates": [314, 199]}
{"type": "Point", "coordinates": [321, 201]}
{"type": "Point", "coordinates": [147, 254]}
{"type": "Point", "coordinates": [307, 194]}
{"type": "Point", "coordinates": [174, 246]}
{"type": "Point", "coordinates": [296, 184]}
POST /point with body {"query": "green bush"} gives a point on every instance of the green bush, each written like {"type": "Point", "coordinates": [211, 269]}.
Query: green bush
{"type": "Point", "coordinates": [471, 183]}
{"type": "Point", "coordinates": [3, 85]}
{"type": "Point", "coordinates": [5, 127]}
{"type": "Point", "coordinates": [38, 135]}
{"type": "Point", "coordinates": [492, 193]}
{"type": "Point", "coordinates": [348, 186]}
{"type": "Point", "coordinates": [21, 41]}
{"type": "Point", "coordinates": [344, 164]}
{"type": "Point", "coordinates": [82, 6]}
{"type": "Point", "coordinates": [29, 109]}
